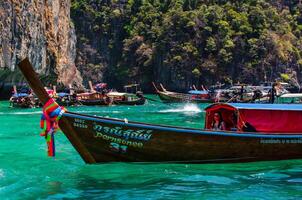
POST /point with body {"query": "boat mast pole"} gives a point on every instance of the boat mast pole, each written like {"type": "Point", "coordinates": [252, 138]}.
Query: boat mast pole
{"type": "Point", "coordinates": [33, 80]}
{"type": "Point", "coordinates": [36, 85]}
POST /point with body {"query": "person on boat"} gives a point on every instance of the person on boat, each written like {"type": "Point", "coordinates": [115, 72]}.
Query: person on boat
{"type": "Point", "coordinates": [274, 92]}
{"type": "Point", "coordinates": [241, 92]}
{"type": "Point", "coordinates": [234, 119]}
{"type": "Point", "coordinates": [218, 123]}
{"type": "Point", "coordinates": [247, 127]}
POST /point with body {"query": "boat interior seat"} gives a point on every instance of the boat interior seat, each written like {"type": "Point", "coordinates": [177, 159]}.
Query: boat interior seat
{"type": "Point", "coordinates": [229, 125]}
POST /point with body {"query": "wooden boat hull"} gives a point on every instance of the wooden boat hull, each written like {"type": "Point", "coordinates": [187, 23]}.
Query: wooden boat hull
{"type": "Point", "coordinates": [140, 101]}
{"type": "Point", "coordinates": [180, 98]}
{"type": "Point", "coordinates": [26, 103]}
{"type": "Point", "coordinates": [110, 140]}
{"type": "Point", "coordinates": [93, 102]}
{"type": "Point", "coordinates": [17, 105]}
{"type": "Point", "coordinates": [93, 99]}
{"type": "Point", "coordinates": [66, 102]}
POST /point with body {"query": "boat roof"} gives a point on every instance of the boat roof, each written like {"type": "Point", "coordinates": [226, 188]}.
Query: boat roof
{"type": "Point", "coordinates": [255, 106]}
{"type": "Point", "coordinates": [284, 83]}
{"type": "Point", "coordinates": [291, 95]}
{"type": "Point", "coordinates": [20, 95]}
{"type": "Point", "coordinates": [86, 93]}
{"type": "Point", "coordinates": [131, 85]}
{"type": "Point", "coordinates": [62, 94]}
{"type": "Point", "coordinates": [198, 92]}
{"type": "Point", "coordinates": [266, 118]}
{"type": "Point", "coordinates": [116, 94]}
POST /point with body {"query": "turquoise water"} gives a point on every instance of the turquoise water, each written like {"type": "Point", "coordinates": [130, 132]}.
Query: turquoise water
{"type": "Point", "coordinates": [27, 173]}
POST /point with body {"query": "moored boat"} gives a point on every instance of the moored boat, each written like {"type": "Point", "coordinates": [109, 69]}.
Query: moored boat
{"type": "Point", "coordinates": [22, 99]}
{"type": "Point", "coordinates": [289, 98]}
{"type": "Point", "coordinates": [175, 97]}
{"type": "Point", "coordinates": [120, 98]}
{"type": "Point", "coordinates": [132, 96]}
{"type": "Point", "coordinates": [65, 97]}
{"type": "Point", "coordinates": [254, 132]}
{"type": "Point", "coordinates": [94, 97]}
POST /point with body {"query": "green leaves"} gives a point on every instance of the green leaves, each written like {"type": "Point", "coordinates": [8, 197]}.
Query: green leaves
{"type": "Point", "coordinates": [182, 39]}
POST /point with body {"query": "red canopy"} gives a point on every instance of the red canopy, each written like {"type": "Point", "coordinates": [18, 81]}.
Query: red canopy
{"type": "Point", "coordinates": [273, 121]}
{"type": "Point", "coordinates": [263, 118]}
{"type": "Point", "coordinates": [226, 111]}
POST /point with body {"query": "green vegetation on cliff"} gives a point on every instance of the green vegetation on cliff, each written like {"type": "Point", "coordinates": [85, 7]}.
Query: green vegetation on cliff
{"type": "Point", "coordinates": [184, 42]}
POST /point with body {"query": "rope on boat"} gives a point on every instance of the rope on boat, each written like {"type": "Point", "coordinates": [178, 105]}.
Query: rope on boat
{"type": "Point", "coordinates": [52, 113]}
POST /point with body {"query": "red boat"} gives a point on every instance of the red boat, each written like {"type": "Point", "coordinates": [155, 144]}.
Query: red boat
{"type": "Point", "coordinates": [254, 132]}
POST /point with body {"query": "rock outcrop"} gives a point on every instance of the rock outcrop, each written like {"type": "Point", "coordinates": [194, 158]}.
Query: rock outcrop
{"type": "Point", "coordinates": [42, 31]}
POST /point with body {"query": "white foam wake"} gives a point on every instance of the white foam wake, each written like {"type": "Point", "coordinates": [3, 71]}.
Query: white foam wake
{"type": "Point", "coordinates": [21, 113]}
{"type": "Point", "coordinates": [188, 108]}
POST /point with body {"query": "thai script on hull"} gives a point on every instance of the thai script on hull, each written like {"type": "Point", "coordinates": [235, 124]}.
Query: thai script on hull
{"type": "Point", "coordinates": [143, 135]}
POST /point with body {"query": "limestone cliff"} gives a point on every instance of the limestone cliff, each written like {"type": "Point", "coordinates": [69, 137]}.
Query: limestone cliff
{"type": "Point", "coordinates": [42, 31]}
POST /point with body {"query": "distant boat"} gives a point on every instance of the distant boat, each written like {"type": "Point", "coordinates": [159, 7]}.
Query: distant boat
{"type": "Point", "coordinates": [93, 97]}
{"type": "Point", "coordinates": [253, 132]}
{"type": "Point", "coordinates": [174, 97]}
{"type": "Point", "coordinates": [131, 96]}
{"type": "Point", "coordinates": [22, 99]}
{"type": "Point", "coordinates": [120, 98]}
{"type": "Point", "coordinates": [289, 98]}
{"type": "Point", "coordinates": [99, 95]}
{"type": "Point", "coordinates": [66, 99]}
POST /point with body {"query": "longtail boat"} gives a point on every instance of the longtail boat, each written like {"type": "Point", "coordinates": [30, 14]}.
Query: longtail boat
{"type": "Point", "coordinates": [253, 132]}
{"type": "Point", "coordinates": [93, 97]}
{"type": "Point", "coordinates": [23, 99]}
{"type": "Point", "coordinates": [64, 98]}
{"type": "Point", "coordinates": [290, 98]}
{"type": "Point", "coordinates": [132, 96]}
{"type": "Point", "coordinates": [120, 98]}
{"type": "Point", "coordinates": [175, 97]}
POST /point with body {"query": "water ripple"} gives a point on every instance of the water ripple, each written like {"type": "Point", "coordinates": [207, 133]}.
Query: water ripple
{"type": "Point", "coordinates": [26, 172]}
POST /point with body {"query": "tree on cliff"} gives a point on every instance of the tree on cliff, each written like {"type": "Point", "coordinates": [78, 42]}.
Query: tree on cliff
{"type": "Point", "coordinates": [182, 42]}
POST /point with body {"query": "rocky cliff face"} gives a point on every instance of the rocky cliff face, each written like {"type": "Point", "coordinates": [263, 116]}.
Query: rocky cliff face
{"type": "Point", "coordinates": [100, 34]}
{"type": "Point", "coordinates": [42, 31]}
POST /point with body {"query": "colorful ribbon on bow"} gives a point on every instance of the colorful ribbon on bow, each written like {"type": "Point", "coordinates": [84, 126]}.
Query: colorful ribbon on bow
{"type": "Point", "coordinates": [52, 113]}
